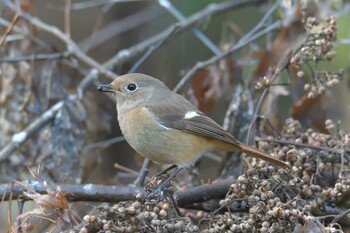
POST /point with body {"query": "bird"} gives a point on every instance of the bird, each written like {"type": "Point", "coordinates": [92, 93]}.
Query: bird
{"type": "Point", "coordinates": [166, 128]}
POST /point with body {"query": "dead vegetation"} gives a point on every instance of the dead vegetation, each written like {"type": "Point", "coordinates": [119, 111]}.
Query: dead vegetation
{"type": "Point", "coordinates": [274, 84]}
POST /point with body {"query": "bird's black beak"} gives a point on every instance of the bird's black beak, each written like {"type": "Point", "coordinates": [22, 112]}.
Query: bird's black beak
{"type": "Point", "coordinates": [107, 88]}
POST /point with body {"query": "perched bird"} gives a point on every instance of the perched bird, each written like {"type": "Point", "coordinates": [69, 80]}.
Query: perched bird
{"type": "Point", "coordinates": [166, 128]}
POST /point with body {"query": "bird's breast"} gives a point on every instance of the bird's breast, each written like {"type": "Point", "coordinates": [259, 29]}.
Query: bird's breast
{"type": "Point", "coordinates": [158, 143]}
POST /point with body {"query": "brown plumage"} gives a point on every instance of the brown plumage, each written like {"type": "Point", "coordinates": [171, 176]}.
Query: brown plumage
{"type": "Point", "coordinates": [166, 128]}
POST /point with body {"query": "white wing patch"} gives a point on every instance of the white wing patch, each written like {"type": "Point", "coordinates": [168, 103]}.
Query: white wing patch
{"type": "Point", "coordinates": [191, 114]}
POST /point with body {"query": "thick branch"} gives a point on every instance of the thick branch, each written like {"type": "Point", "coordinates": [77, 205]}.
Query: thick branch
{"type": "Point", "coordinates": [203, 193]}
{"type": "Point", "coordinates": [102, 193]}
{"type": "Point", "coordinates": [86, 192]}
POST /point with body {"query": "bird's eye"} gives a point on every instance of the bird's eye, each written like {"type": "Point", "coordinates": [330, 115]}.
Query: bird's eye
{"type": "Point", "coordinates": [132, 87]}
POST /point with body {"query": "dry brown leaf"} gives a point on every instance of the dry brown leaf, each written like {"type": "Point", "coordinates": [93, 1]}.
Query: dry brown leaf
{"type": "Point", "coordinates": [214, 82]}
{"type": "Point", "coordinates": [313, 111]}
{"type": "Point", "coordinates": [28, 6]}
{"type": "Point", "coordinates": [52, 200]}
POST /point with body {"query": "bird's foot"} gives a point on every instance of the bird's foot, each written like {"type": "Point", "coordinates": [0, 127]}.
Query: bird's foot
{"type": "Point", "coordinates": [161, 183]}
{"type": "Point", "coordinates": [161, 187]}
{"type": "Point", "coordinates": [158, 187]}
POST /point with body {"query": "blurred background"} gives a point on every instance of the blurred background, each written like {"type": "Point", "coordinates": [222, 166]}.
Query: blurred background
{"type": "Point", "coordinates": [39, 69]}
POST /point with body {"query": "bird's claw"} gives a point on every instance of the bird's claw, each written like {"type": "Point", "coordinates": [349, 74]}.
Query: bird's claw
{"type": "Point", "coordinates": [158, 191]}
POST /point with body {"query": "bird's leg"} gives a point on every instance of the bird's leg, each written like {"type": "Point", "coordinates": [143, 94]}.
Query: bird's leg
{"type": "Point", "coordinates": [165, 170]}
{"type": "Point", "coordinates": [162, 186]}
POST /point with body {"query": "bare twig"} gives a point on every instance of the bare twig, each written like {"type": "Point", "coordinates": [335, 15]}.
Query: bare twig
{"type": "Point", "coordinates": [200, 35]}
{"type": "Point", "coordinates": [187, 78]}
{"type": "Point", "coordinates": [67, 9]}
{"type": "Point", "coordinates": [71, 45]}
{"type": "Point", "coordinates": [143, 173]}
{"type": "Point", "coordinates": [129, 170]}
{"type": "Point", "coordinates": [200, 16]}
{"type": "Point", "coordinates": [340, 216]}
{"type": "Point", "coordinates": [20, 138]}
{"type": "Point", "coordinates": [95, 3]}
{"type": "Point", "coordinates": [7, 24]}
{"type": "Point", "coordinates": [20, 211]}
{"type": "Point", "coordinates": [52, 56]}
{"type": "Point", "coordinates": [318, 148]}
{"type": "Point", "coordinates": [104, 144]}
{"type": "Point", "coordinates": [117, 27]}
{"type": "Point", "coordinates": [282, 64]}
{"type": "Point", "coordinates": [262, 22]}
{"type": "Point", "coordinates": [150, 51]}
{"type": "Point", "coordinates": [9, 29]}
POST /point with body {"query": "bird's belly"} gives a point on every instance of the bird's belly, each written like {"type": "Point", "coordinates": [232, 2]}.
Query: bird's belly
{"type": "Point", "coordinates": [160, 144]}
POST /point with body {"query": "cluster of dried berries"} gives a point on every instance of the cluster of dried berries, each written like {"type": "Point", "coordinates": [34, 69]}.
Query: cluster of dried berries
{"type": "Point", "coordinates": [267, 198]}
{"type": "Point", "coordinates": [316, 167]}
{"type": "Point", "coordinates": [323, 81]}
{"type": "Point", "coordinates": [272, 204]}
{"type": "Point", "coordinates": [150, 216]}
{"type": "Point", "coordinates": [279, 201]}
{"type": "Point", "coordinates": [318, 46]}
{"type": "Point", "coordinates": [319, 43]}
{"type": "Point", "coordinates": [267, 80]}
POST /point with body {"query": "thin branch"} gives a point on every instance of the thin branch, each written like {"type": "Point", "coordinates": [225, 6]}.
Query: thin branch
{"type": "Point", "coordinates": [71, 45]}
{"type": "Point", "coordinates": [318, 148]}
{"type": "Point", "coordinates": [67, 10]}
{"type": "Point", "coordinates": [95, 3]}
{"type": "Point", "coordinates": [52, 56]}
{"type": "Point", "coordinates": [187, 78]}
{"type": "Point", "coordinates": [282, 64]}
{"type": "Point", "coordinates": [104, 144]}
{"type": "Point", "coordinates": [17, 29]}
{"type": "Point", "coordinates": [20, 211]}
{"type": "Point", "coordinates": [117, 27]}
{"type": "Point", "coordinates": [9, 29]}
{"type": "Point", "coordinates": [340, 216]}
{"type": "Point", "coordinates": [130, 171]}
{"type": "Point", "coordinates": [152, 49]}
{"type": "Point", "coordinates": [200, 35]}
{"type": "Point", "coordinates": [20, 138]}
{"type": "Point", "coordinates": [262, 22]}
{"type": "Point", "coordinates": [195, 19]}
{"type": "Point", "coordinates": [143, 173]}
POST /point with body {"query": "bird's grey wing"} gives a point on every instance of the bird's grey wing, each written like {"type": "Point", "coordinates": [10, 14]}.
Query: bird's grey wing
{"type": "Point", "coordinates": [200, 125]}
{"type": "Point", "coordinates": [178, 113]}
